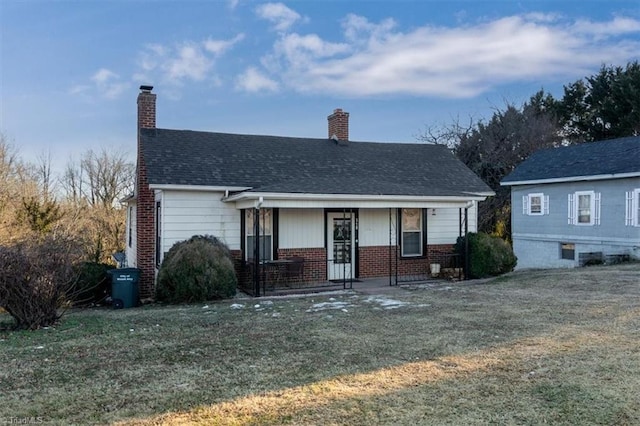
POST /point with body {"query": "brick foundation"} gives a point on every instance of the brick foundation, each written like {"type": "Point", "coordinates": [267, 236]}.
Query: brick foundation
{"type": "Point", "coordinates": [315, 262]}
{"type": "Point", "coordinates": [374, 261]}
{"type": "Point", "coordinates": [315, 265]}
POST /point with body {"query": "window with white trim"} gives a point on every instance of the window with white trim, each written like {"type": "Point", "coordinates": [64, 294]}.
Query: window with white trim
{"type": "Point", "coordinates": [632, 208]}
{"type": "Point", "coordinates": [411, 232]}
{"type": "Point", "coordinates": [584, 208]}
{"type": "Point", "coordinates": [535, 204]}
{"type": "Point", "coordinates": [266, 234]}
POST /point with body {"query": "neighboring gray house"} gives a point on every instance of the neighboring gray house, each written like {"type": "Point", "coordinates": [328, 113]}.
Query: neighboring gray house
{"type": "Point", "coordinates": [576, 203]}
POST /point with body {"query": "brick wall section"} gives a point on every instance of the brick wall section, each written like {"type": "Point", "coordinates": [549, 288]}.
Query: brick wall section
{"type": "Point", "coordinates": [242, 272]}
{"type": "Point", "coordinates": [374, 261]}
{"type": "Point", "coordinates": [145, 217]}
{"type": "Point", "coordinates": [339, 124]}
{"type": "Point", "coordinates": [315, 262]}
{"type": "Point", "coordinates": [441, 253]}
{"type": "Point", "coordinates": [315, 265]}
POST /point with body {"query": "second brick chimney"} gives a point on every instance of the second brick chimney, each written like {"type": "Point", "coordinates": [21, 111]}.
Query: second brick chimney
{"type": "Point", "coordinates": [339, 125]}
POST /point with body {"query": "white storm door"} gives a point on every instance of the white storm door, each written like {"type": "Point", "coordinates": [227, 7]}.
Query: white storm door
{"type": "Point", "coordinates": [340, 247]}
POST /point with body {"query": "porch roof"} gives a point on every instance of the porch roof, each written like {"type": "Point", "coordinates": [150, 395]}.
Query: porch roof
{"type": "Point", "coordinates": [251, 199]}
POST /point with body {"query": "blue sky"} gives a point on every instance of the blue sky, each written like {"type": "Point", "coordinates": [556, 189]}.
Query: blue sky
{"type": "Point", "coordinates": [70, 70]}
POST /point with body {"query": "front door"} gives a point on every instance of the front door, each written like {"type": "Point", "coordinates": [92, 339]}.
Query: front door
{"type": "Point", "coordinates": [340, 247]}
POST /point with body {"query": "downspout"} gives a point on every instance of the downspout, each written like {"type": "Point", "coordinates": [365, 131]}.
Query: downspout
{"type": "Point", "coordinates": [466, 239]}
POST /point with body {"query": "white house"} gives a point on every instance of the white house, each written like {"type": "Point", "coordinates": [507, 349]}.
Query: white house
{"type": "Point", "coordinates": [345, 209]}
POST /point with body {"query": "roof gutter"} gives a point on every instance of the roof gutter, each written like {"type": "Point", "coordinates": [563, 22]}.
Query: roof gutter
{"type": "Point", "coordinates": [359, 197]}
{"type": "Point", "coordinates": [208, 188]}
{"type": "Point", "coordinates": [252, 200]}
{"type": "Point", "coordinates": [572, 179]}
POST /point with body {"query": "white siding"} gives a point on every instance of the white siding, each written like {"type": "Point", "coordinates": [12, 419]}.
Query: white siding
{"type": "Point", "coordinates": [444, 227]}
{"type": "Point", "coordinates": [301, 228]}
{"type": "Point", "coordinates": [188, 213]}
{"type": "Point", "coordinates": [373, 227]}
{"type": "Point", "coordinates": [130, 250]}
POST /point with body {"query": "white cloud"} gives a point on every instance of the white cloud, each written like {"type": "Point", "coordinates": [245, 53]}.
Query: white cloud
{"type": "Point", "coordinates": [279, 15]}
{"type": "Point", "coordinates": [233, 4]}
{"type": "Point", "coordinates": [253, 80]}
{"type": "Point", "coordinates": [79, 89]}
{"type": "Point", "coordinates": [451, 62]}
{"type": "Point", "coordinates": [218, 47]}
{"type": "Point", "coordinates": [358, 28]}
{"type": "Point", "coordinates": [103, 75]}
{"type": "Point", "coordinates": [618, 26]}
{"type": "Point", "coordinates": [107, 83]}
{"type": "Point", "coordinates": [187, 61]}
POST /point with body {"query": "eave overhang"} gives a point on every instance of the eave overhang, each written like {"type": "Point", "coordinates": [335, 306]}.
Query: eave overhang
{"type": "Point", "coordinates": [572, 179]}
{"type": "Point", "coordinates": [247, 200]}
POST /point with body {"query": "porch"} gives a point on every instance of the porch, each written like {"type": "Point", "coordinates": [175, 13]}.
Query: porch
{"type": "Point", "coordinates": [299, 275]}
{"type": "Point", "coordinates": [292, 275]}
{"type": "Point", "coordinates": [295, 246]}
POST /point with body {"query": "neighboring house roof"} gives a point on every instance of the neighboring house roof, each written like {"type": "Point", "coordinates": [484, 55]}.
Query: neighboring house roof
{"type": "Point", "coordinates": [607, 159]}
{"type": "Point", "coordinates": [304, 165]}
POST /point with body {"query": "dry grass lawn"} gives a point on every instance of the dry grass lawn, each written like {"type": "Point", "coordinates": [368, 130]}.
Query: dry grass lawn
{"type": "Point", "coordinates": [537, 347]}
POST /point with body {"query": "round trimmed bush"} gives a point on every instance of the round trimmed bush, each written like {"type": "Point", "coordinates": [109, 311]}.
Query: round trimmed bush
{"type": "Point", "coordinates": [195, 270]}
{"type": "Point", "coordinates": [489, 255]}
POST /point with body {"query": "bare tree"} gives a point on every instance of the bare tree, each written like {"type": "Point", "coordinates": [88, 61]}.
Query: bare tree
{"type": "Point", "coordinates": [15, 183]}
{"type": "Point", "coordinates": [44, 176]}
{"type": "Point", "coordinates": [99, 178]}
{"type": "Point", "coordinates": [72, 182]}
{"type": "Point", "coordinates": [492, 149]}
{"type": "Point", "coordinates": [93, 186]}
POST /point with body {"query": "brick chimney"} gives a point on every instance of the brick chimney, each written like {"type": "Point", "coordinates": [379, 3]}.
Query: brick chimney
{"type": "Point", "coordinates": [146, 108]}
{"type": "Point", "coordinates": [339, 125]}
{"type": "Point", "coordinates": [145, 204]}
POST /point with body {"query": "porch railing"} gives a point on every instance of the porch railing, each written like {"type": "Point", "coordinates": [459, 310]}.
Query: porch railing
{"type": "Point", "coordinates": [293, 275]}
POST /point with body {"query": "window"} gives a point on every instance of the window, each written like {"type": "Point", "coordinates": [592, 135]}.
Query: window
{"type": "Point", "coordinates": [632, 211]}
{"type": "Point", "coordinates": [584, 208]}
{"type": "Point", "coordinates": [265, 241]}
{"type": "Point", "coordinates": [535, 204]}
{"type": "Point", "coordinates": [568, 251]}
{"type": "Point", "coordinates": [130, 226]}
{"type": "Point", "coordinates": [411, 232]}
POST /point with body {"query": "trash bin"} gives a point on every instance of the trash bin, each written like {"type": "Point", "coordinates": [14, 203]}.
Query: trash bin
{"type": "Point", "coordinates": [124, 287]}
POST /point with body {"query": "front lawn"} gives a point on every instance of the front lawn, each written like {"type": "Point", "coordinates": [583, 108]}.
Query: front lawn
{"type": "Point", "coordinates": [556, 347]}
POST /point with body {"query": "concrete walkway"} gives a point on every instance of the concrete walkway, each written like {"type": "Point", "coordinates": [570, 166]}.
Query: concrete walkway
{"type": "Point", "coordinates": [365, 286]}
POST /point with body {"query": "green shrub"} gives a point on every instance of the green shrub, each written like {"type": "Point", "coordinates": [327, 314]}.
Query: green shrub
{"type": "Point", "coordinates": [93, 284]}
{"type": "Point", "coordinates": [489, 255]}
{"type": "Point", "coordinates": [198, 269]}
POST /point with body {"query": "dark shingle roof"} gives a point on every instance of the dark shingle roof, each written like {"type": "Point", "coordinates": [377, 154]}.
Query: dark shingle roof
{"type": "Point", "coordinates": [304, 165]}
{"type": "Point", "coordinates": [587, 159]}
